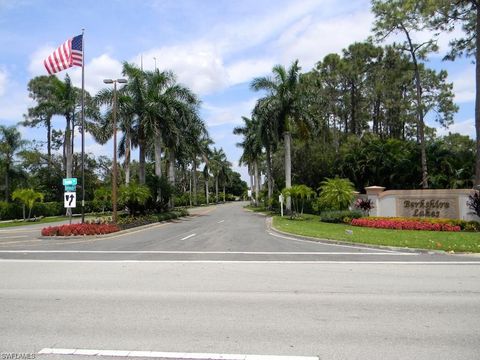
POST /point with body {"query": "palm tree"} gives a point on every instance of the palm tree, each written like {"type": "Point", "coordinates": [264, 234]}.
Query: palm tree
{"type": "Point", "coordinates": [41, 89]}
{"type": "Point", "coordinates": [284, 97]}
{"type": "Point", "coordinates": [268, 133]}
{"type": "Point", "coordinates": [102, 130]}
{"type": "Point", "coordinates": [28, 197]}
{"type": "Point", "coordinates": [218, 166]}
{"type": "Point", "coordinates": [252, 149]}
{"type": "Point", "coordinates": [10, 143]}
{"type": "Point", "coordinates": [136, 90]}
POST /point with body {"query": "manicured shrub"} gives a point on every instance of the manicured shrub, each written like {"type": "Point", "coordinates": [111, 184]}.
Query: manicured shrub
{"type": "Point", "coordinates": [335, 194]}
{"type": "Point", "coordinates": [79, 229]}
{"type": "Point", "coordinates": [10, 211]}
{"type": "Point", "coordinates": [344, 216]}
{"type": "Point", "coordinates": [402, 224]}
{"type": "Point", "coordinates": [364, 204]}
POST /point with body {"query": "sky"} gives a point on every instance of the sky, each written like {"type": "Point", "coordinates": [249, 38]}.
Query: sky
{"type": "Point", "coordinates": [216, 47]}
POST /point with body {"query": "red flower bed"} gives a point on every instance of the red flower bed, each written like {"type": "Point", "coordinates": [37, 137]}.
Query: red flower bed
{"type": "Point", "coordinates": [400, 224]}
{"type": "Point", "coordinates": [79, 229]}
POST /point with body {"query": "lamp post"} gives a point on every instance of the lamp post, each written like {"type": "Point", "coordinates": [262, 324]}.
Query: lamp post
{"type": "Point", "coordinates": [114, 169]}
{"type": "Point", "coordinates": [155, 59]}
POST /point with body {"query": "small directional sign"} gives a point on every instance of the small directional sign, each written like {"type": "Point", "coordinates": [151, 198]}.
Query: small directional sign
{"type": "Point", "coordinates": [70, 199]}
{"type": "Point", "coordinates": [70, 181]}
{"type": "Point", "coordinates": [70, 188]}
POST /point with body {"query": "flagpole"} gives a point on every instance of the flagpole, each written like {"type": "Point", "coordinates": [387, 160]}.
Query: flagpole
{"type": "Point", "coordinates": [83, 126]}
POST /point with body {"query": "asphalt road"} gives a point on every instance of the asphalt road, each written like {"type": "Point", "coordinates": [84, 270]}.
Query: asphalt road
{"type": "Point", "coordinates": [222, 282]}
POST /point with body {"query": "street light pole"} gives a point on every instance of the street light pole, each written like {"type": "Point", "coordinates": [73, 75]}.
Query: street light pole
{"type": "Point", "coordinates": [114, 169]}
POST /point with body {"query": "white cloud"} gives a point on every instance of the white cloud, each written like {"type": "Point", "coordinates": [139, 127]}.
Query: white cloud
{"type": "Point", "coordinates": [466, 127]}
{"type": "Point", "coordinates": [3, 81]}
{"type": "Point", "coordinates": [310, 40]}
{"type": "Point", "coordinates": [99, 68]}
{"type": "Point", "coordinates": [36, 67]}
{"type": "Point", "coordinates": [229, 114]}
{"type": "Point", "coordinates": [464, 85]}
{"type": "Point", "coordinates": [198, 64]}
{"type": "Point", "coordinates": [245, 70]}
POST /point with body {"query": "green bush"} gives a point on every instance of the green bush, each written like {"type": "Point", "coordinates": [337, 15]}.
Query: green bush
{"type": "Point", "coordinates": [335, 194]}
{"type": "Point", "coordinates": [344, 216]}
{"type": "Point", "coordinates": [10, 211]}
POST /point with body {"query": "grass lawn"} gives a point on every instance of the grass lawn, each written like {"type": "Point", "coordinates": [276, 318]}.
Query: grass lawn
{"type": "Point", "coordinates": [42, 221]}
{"type": "Point", "coordinates": [436, 240]}
{"type": "Point", "coordinates": [259, 209]}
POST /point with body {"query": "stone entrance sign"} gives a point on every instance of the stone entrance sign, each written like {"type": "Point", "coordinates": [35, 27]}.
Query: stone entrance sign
{"type": "Point", "coordinates": [442, 203]}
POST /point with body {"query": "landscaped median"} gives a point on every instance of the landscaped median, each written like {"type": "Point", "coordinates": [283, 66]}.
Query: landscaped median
{"type": "Point", "coordinates": [105, 226]}
{"type": "Point", "coordinates": [311, 226]}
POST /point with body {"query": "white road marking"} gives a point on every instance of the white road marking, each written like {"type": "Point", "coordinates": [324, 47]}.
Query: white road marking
{"type": "Point", "coordinates": [330, 244]}
{"type": "Point", "coordinates": [250, 262]}
{"type": "Point", "coordinates": [13, 237]}
{"type": "Point", "coordinates": [188, 237]}
{"type": "Point", "coordinates": [200, 252]}
{"type": "Point", "coordinates": [220, 221]}
{"type": "Point", "coordinates": [171, 355]}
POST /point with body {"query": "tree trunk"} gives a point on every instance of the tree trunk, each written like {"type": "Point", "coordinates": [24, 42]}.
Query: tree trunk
{"type": "Point", "coordinates": [171, 173]}
{"type": "Point", "coordinates": [206, 190]}
{"type": "Point", "coordinates": [157, 144]}
{"type": "Point", "coordinates": [23, 210]}
{"type": "Point", "coordinates": [224, 198]}
{"type": "Point", "coordinates": [7, 182]}
{"type": "Point", "coordinates": [141, 163]}
{"type": "Point", "coordinates": [269, 173]}
{"type": "Point", "coordinates": [252, 188]}
{"type": "Point", "coordinates": [288, 169]}
{"type": "Point", "coordinates": [216, 188]}
{"type": "Point", "coordinates": [190, 189]}
{"type": "Point", "coordinates": [257, 180]}
{"type": "Point", "coordinates": [158, 152]}
{"type": "Point", "coordinates": [420, 115]}
{"type": "Point", "coordinates": [127, 157]}
{"type": "Point", "coordinates": [477, 97]}
{"type": "Point", "coordinates": [194, 182]}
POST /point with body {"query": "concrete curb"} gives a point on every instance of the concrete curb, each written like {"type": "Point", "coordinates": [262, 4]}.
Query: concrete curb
{"type": "Point", "coordinates": [270, 226]}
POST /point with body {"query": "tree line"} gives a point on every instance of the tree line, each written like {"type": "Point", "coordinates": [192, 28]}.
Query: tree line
{"type": "Point", "coordinates": [362, 114]}
{"type": "Point", "coordinates": [155, 114]}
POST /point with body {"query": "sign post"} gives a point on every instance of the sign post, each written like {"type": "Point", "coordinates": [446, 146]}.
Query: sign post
{"type": "Point", "coordinates": [280, 199]}
{"type": "Point", "coordinates": [70, 195]}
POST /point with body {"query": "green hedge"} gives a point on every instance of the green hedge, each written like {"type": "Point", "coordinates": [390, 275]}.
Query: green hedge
{"type": "Point", "coordinates": [344, 216]}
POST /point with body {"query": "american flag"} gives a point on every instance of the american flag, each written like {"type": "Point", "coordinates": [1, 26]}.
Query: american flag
{"type": "Point", "coordinates": [69, 54]}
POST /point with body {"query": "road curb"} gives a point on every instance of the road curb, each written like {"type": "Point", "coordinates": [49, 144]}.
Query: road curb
{"type": "Point", "coordinates": [270, 227]}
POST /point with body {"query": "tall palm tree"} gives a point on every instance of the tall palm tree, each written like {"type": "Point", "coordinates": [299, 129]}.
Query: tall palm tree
{"type": "Point", "coordinates": [136, 89]}
{"type": "Point", "coordinates": [10, 143]}
{"type": "Point", "coordinates": [252, 149]}
{"type": "Point", "coordinates": [218, 166]}
{"type": "Point", "coordinates": [41, 89]}
{"type": "Point", "coordinates": [268, 133]}
{"type": "Point", "coordinates": [102, 130]}
{"type": "Point", "coordinates": [284, 96]}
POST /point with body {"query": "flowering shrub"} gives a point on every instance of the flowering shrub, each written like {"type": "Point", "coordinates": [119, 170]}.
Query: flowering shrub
{"type": "Point", "coordinates": [364, 204]}
{"type": "Point", "coordinates": [402, 224]}
{"type": "Point", "coordinates": [79, 229]}
{"type": "Point", "coordinates": [464, 224]}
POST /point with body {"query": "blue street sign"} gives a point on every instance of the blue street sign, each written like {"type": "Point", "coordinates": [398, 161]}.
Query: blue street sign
{"type": "Point", "coordinates": [70, 181]}
{"type": "Point", "coordinates": [70, 188]}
